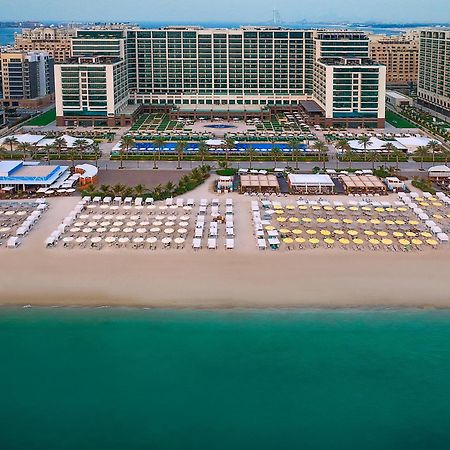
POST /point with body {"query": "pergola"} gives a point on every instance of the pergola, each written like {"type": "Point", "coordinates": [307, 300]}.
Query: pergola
{"type": "Point", "coordinates": [259, 183]}
{"type": "Point", "coordinates": [363, 184]}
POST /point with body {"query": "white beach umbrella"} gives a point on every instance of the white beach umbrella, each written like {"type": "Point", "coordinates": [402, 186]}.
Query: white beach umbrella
{"type": "Point", "coordinates": [179, 240]}
{"type": "Point", "coordinates": [169, 231]}
{"type": "Point", "coordinates": [80, 239]}
{"type": "Point", "coordinates": [166, 240]}
{"type": "Point", "coordinates": [138, 240]}
{"type": "Point", "coordinates": [182, 231]}
{"type": "Point", "coordinates": [155, 230]}
{"type": "Point", "coordinates": [68, 239]}
{"type": "Point", "coordinates": [96, 239]}
{"type": "Point", "coordinates": [141, 230]}
{"type": "Point", "coordinates": [152, 240]}
{"type": "Point", "coordinates": [87, 230]}
{"type": "Point", "coordinates": [110, 239]}
{"type": "Point", "coordinates": [128, 230]}
{"type": "Point", "coordinates": [124, 240]}
{"type": "Point", "coordinates": [114, 230]}
{"type": "Point", "coordinates": [184, 224]}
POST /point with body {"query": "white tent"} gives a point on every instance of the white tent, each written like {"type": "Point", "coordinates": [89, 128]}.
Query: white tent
{"type": "Point", "coordinates": [375, 144]}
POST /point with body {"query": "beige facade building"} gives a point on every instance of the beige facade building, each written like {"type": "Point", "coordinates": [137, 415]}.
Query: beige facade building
{"type": "Point", "coordinates": [400, 55]}
{"type": "Point", "coordinates": [55, 41]}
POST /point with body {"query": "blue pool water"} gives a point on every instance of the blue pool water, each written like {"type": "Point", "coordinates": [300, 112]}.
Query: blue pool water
{"type": "Point", "coordinates": [220, 126]}
{"type": "Point", "coordinates": [240, 147]}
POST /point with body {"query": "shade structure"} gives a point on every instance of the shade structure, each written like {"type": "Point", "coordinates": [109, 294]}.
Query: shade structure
{"type": "Point", "coordinates": [404, 242]}
{"type": "Point", "coordinates": [281, 219]}
{"type": "Point", "coordinates": [344, 241]}
{"type": "Point", "coordinates": [306, 220]}
{"type": "Point", "coordinates": [169, 231]}
{"type": "Point", "coordinates": [374, 241]}
{"type": "Point", "coordinates": [432, 242]}
{"type": "Point", "coordinates": [80, 239]}
{"type": "Point", "coordinates": [166, 240]}
{"type": "Point", "coordinates": [124, 240]}
{"type": "Point", "coordinates": [352, 232]}
{"type": "Point", "coordinates": [288, 240]}
{"type": "Point", "coordinates": [382, 233]}
{"type": "Point", "coordinates": [138, 240]}
{"type": "Point", "coordinates": [397, 234]}
{"type": "Point", "coordinates": [300, 240]}
{"type": "Point", "coordinates": [293, 219]}
{"type": "Point", "coordinates": [325, 233]}
{"type": "Point", "coordinates": [387, 241]}
{"type": "Point", "coordinates": [368, 233]}
{"type": "Point", "coordinates": [110, 239]}
{"type": "Point", "coordinates": [426, 234]}
{"type": "Point", "coordinates": [417, 242]}
{"type": "Point", "coordinates": [338, 232]}
{"type": "Point", "coordinates": [329, 241]}
{"type": "Point", "coordinates": [314, 241]}
{"type": "Point", "coordinates": [297, 231]}
{"type": "Point", "coordinates": [152, 240]}
{"type": "Point", "coordinates": [269, 228]}
{"type": "Point", "coordinates": [311, 232]}
{"type": "Point", "coordinates": [182, 231]}
{"type": "Point", "coordinates": [285, 231]}
{"type": "Point", "coordinates": [68, 239]}
{"type": "Point", "coordinates": [358, 241]}
{"type": "Point", "coordinates": [375, 221]}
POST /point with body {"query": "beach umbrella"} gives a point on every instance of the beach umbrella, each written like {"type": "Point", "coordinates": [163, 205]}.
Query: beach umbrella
{"type": "Point", "coordinates": [402, 209]}
{"type": "Point", "coordinates": [366, 208]}
{"type": "Point", "coordinates": [387, 241]}
{"type": "Point", "coordinates": [179, 240]}
{"type": "Point", "coordinates": [101, 230]}
{"type": "Point", "coordinates": [68, 239]}
{"type": "Point", "coordinates": [321, 220]}
{"type": "Point", "coordinates": [182, 231]}
{"type": "Point", "coordinates": [96, 239]}
{"type": "Point", "coordinates": [105, 223]}
{"type": "Point", "coordinates": [314, 241]}
{"type": "Point", "coordinates": [138, 240]}
{"type": "Point", "coordinates": [162, 207]}
{"type": "Point", "coordinates": [118, 223]}
{"type": "Point", "coordinates": [114, 230]}
{"type": "Point", "coordinates": [414, 222]}
{"type": "Point", "coordinates": [389, 222]}
{"type": "Point", "coordinates": [297, 231]}
{"type": "Point", "coordinates": [432, 242]}
{"type": "Point", "coordinates": [379, 209]}
{"type": "Point", "coordinates": [80, 239]}
{"type": "Point", "coordinates": [159, 217]}
{"type": "Point", "coordinates": [84, 216]}
{"type": "Point", "coordinates": [79, 224]}
{"type": "Point", "coordinates": [338, 232]}
{"type": "Point", "coordinates": [293, 219]}
{"type": "Point", "coordinates": [290, 207]}
{"type": "Point", "coordinates": [329, 241]}
{"type": "Point", "coordinates": [135, 217]}
{"type": "Point", "coordinates": [382, 233]}
{"type": "Point", "coordinates": [152, 240]}
{"type": "Point", "coordinates": [397, 234]}
{"type": "Point", "coordinates": [315, 207]}
{"type": "Point", "coordinates": [328, 208]}
{"type": "Point", "coordinates": [281, 219]}
{"type": "Point", "coordinates": [358, 241]}
{"type": "Point", "coordinates": [426, 234]}
{"type": "Point", "coordinates": [437, 204]}
{"type": "Point", "coordinates": [284, 231]}
{"type": "Point", "coordinates": [166, 240]}
{"type": "Point", "coordinates": [411, 234]}
{"type": "Point", "coordinates": [288, 240]}
{"type": "Point", "coordinates": [279, 211]}
{"type": "Point", "coordinates": [352, 232]}
{"type": "Point", "coordinates": [141, 230]}
{"type": "Point", "coordinates": [144, 223]}
{"type": "Point", "coordinates": [340, 208]}
{"type": "Point", "coordinates": [269, 228]}
{"type": "Point", "coordinates": [400, 222]}
{"type": "Point", "coordinates": [369, 233]}
{"type": "Point", "coordinates": [390, 209]}
{"type": "Point", "coordinates": [334, 220]}
{"type": "Point", "coordinates": [97, 216]}
{"type": "Point", "coordinates": [300, 240]}
{"type": "Point", "coordinates": [187, 208]}
{"type": "Point", "coordinates": [277, 206]}
{"type": "Point", "coordinates": [128, 230]}
{"type": "Point", "coordinates": [311, 232]}
{"type": "Point", "coordinates": [325, 233]}
{"type": "Point", "coordinates": [72, 230]}
{"type": "Point", "coordinates": [404, 242]}
{"type": "Point", "coordinates": [416, 242]}
{"type": "Point", "coordinates": [157, 223]}
{"type": "Point", "coordinates": [169, 231]}
{"type": "Point", "coordinates": [344, 241]}
{"type": "Point", "coordinates": [362, 221]}
{"type": "Point", "coordinates": [424, 204]}
{"type": "Point", "coordinates": [375, 221]}
{"type": "Point", "coordinates": [306, 220]}
{"type": "Point", "coordinates": [169, 223]}
{"type": "Point", "coordinates": [348, 221]}
{"type": "Point", "coordinates": [303, 207]}
{"type": "Point", "coordinates": [110, 239]}
{"type": "Point", "coordinates": [438, 216]}
{"type": "Point", "coordinates": [353, 208]}
{"type": "Point", "coordinates": [184, 218]}
{"type": "Point", "coordinates": [87, 230]}
{"type": "Point", "coordinates": [124, 240]}
{"type": "Point", "coordinates": [374, 241]}
{"type": "Point", "coordinates": [121, 217]}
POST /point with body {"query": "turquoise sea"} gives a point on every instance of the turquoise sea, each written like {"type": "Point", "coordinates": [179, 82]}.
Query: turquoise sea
{"type": "Point", "coordinates": [216, 380]}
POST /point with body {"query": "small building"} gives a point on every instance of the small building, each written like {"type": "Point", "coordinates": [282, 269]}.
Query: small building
{"type": "Point", "coordinates": [394, 184]}
{"type": "Point", "coordinates": [21, 175]}
{"type": "Point", "coordinates": [439, 173]}
{"type": "Point", "coordinates": [88, 174]}
{"type": "Point", "coordinates": [310, 184]}
{"type": "Point", "coordinates": [397, 100]}
{"type": "Point", "coordinates": [363, 184]}
{"type": "Point", "coordinates": [225, 183]}
{"type": "Point", "coordinates": [256, 183]}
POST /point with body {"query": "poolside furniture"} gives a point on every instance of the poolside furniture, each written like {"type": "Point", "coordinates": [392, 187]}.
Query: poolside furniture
{"type": "Point", "coordinates": [262, 245]}
{"type": "Point", "coordinates": [212, 244]}
{"type": "Point", "coordinates": [229, 244]}
{"type": "Point", "coordinates": [197, 244]}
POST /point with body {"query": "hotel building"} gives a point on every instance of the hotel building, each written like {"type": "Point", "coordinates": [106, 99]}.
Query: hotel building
{"type": "Point", "coordinates": [231, 72]}
{"type": "Point", "coordinates": [400, 55]}
{"type": "Point", "coordinates": [27, 78]}
{"type": "Point", "coordinates": [433, 90]}
{"type": "Point", "coordinates": [55, 41]}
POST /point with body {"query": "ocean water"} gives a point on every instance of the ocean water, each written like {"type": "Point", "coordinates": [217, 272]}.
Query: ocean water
{"type": "Point", "coordinates": [7, 35]}
{"type": "Point", "coordinates": [152, 379]}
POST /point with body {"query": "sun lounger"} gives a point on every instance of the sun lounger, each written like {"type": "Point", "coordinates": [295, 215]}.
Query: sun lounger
{"type": "Point", "coordinates": [212, 244]}
{"type": "Point", "coordinates": [262, 245]}
{"type": "Point", "coordinates": [197, 244]}
{"type": "Point", "coordinates": [229, 245]}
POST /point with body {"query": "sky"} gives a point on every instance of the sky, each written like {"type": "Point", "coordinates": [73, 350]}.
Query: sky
{"type": "Point", "coordinates": [239, 11]}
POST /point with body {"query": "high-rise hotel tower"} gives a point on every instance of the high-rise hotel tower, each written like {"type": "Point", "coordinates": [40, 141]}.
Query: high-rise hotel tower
{"type": "Point", "coordinates": [239, 71]}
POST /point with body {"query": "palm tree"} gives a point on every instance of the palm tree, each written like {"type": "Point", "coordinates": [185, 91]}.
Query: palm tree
{"type": "Point", "coordinates": [157, 192]}
{"type": "Point", "coordinates": [229, 145]}
{"type": "Point", "coordinates": [169, 188]}
{"type": "Point", "coordinates": [24, 147]}
{"type": "Point", "coordinates": [11, 140]}
{"type": "Point", "coordinates": [422, 152]}
{"type": "Point", "coordinates": [433, 147]}
{"type": "Point", "coordinates": [294, 145]}
{"type": "Point", "coordinates": [105, 189]}
{"type": "Point", "coordinates": [275, 154]}
{"type": "Point", "coordinates": [159, 144]}
{"type": "Point", "coordinates": [250, 153]}
{"type": "Point", "coordinates": [118, 189]}
{"type": "Point", "coordinates": [203, 151]}
{"type": "Point", "coordinates": [59, 144]}
{"type": "Point", "coordinates": [140, 190]}
{"type": "Point", "coordinates": [96, 150]}
{"type": "Point", "coordinates": [80, 145]}
{"type": "Point", "coordinates": [392, 151]}
{"type": "Point", "coordinates": [365, 142]}
{"type": "Point", "coordinates": [374, 157]}
{"type": "Point", "coordinates": [72, 154]}
{"type": "Point", "coordinates": [180, 148]}
{"type": "Point", "coordinates": [322, 151]}
{"type": "Point", "coordinates": [125, 144]}
{"type": "Point", "coordinates": [48, 149]}
{"type": "Point", "coordinates": [445, 154]}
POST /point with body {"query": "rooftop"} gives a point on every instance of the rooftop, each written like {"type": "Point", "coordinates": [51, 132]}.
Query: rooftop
{"type": "Point", "coordinates": [349, 62]}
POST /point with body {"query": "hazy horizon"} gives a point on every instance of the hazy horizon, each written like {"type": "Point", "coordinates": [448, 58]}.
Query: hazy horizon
{"type": "Point", "coordinates": [236, 11]}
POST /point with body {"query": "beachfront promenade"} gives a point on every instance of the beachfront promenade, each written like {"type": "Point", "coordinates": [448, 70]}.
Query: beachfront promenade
{"type": "Point", "coordinates": [361, 249]}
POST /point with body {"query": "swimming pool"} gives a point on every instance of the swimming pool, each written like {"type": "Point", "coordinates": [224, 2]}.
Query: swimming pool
{"type": "Point", "coordinates": [220, 126]}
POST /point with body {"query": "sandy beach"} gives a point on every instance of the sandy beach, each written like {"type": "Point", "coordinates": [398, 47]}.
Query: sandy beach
{"type": "Point", "coordinates": [244, 277]}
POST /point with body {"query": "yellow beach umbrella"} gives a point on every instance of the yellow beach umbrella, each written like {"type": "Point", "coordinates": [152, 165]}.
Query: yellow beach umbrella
{"type": "Point", "coordinates": [277, 207]}
{"type": "Point", "coordinates": [374, 241]}
{"type": "Point", "coordinates": [291, 207]}
{"type": "Point", "coordinates": [353, 208]}
{"type": "Point", "coordinates": [270, 228]}
{"type": "Point", "coordinates": [375, 221]}
{"type": "Point", "coordinates": [425, 234]}
{"type": "Point", "coordinates": [390, 209]}
{"type": "Point", "coordinates": [410, 234]}
{"type": "Point", "coordinates": [382, 233]}
{"type": "Point", "coordinates": [369, 233]}
{"type": "Point", "coordinates": [403, 209]}
{"type": "Point", "coordinates": [340, 208]}
{"type": "Point", "coordinates": [400, 222]}
{"type": "Point", "coordinates": [431, 242]}
{"type": "Point", "coordinates": [288, 240]}
{"type": "Point", "coordinates": [366, 208]}
{"type": "Point", "coordinates": [314, 241]}
{"type": "Point", "coordinates": [362, 221]}
{"type": "Point", "coordinates": [338, 232]}
{"type": "Point", "coordinates": [378, 209]}
{"type": "Point", "coordinates": [437, 216]}
{"type": "Point", "coordinates": [347, 221]}
{"type": "Point", "coordinates": [284, 231]}
{"type": "Point", "coordinates": [358, 241]}
{"type": "Point", "coordinates": [293, 219]}
{"type": "Point", "coordinates": [404, 242]}
{"type": "Point", "coordinates": [414, 222]}
{"type": "Point", "coordinates": [311, 232]}
{"type": "Point", "coordinates": [397, 234]}
{"type": "Point", "coordinates": [321, 220]}
{"type": "Point", "coordinates": [329, 241]}
{"type": "Point", "coordinates": [352, 232]}
{"type": "Point", "coordinates": [279, 211]}
{"type": "Point", "coordinates": [417, 242]}
{"type": "Point", "coordinates": [387, 241]}
{"type": "Point", "coordinates": [344, 241]}
{"type": "Point", "coordinates": [437, 204]}
{"type": "Point", "coordinates": [328, 208]}
{"type": "Point", "coordinates": [281, 219]}
{"type": "Point", "coordinates": [420, 199]}
{"type": "Point", "coordinates": [303, 207]}
{"type": "Point", "coordinates": [315, 207]}
{"type": "Point", "coordinates": [297, 231]}
{"type": "Point", "coordinates": [306, 220]}
{"type": "Point", "coordinates": [389, 222]}
{"type": "Point", "coordinates": [334, 220]}
{"type": "Point", "coordinates": [448, 216]}
{"type": "Point", "coordinates": [300, 240]}
{"type": "Point", "coordinates": [325, 233]}
{"type": "Point", "coordinates": [424, 204]}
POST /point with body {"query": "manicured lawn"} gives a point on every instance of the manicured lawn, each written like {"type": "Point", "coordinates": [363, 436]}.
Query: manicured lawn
{"type": "Point", "coordinates": [43, 119]}
{"type": "Point", "coordinates": [398, 121]}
